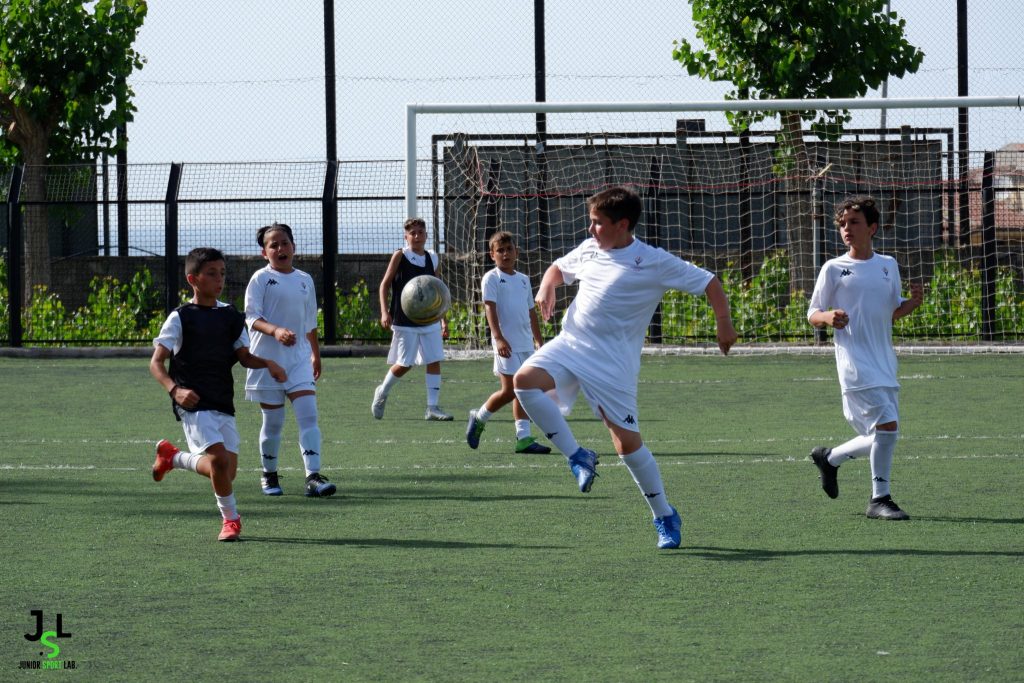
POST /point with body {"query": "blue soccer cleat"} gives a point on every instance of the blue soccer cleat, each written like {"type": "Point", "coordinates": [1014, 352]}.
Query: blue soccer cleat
{"type": "Point", "coordinates": [474, 429]}
{"type": "Point", "coordinates": [670, 530]}
{"type": "Point", "coordinates": [528, 444]}
{"type": "Point", "coordinates": [583, 464]}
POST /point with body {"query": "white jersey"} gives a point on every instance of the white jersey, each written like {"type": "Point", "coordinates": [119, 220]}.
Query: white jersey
{"type": "Point", "coordinates": [286, 300]}
{"type": "Point", "coordinates": [513, 300]}
{"type": "Point", "coordinates": [869, 292]}
{"type": "Point", "coordinates": [619, 290]}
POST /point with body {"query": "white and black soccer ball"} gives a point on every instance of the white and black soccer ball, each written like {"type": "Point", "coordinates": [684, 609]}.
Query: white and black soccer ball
{"type": "Point", "coordinates": [425, 299]}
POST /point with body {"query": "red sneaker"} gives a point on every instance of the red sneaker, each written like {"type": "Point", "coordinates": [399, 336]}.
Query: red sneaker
{"type": "Point", "coordinates": [231, 530]}
{"type": "Point", "coordinates": [164, 462]}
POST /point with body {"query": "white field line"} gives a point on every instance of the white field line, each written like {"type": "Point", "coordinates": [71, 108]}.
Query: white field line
{"type": "Point", "coordinates": [555, 462]}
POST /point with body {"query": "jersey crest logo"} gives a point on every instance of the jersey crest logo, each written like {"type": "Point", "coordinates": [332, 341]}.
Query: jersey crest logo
{"type": "Point", "coordinates": [845, 272]}
{"type": "Point", "coordinates": [271, 281]}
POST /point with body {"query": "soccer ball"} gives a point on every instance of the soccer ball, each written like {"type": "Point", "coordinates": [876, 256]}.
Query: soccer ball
{"type": "Point", "coordinates": [425, 299]}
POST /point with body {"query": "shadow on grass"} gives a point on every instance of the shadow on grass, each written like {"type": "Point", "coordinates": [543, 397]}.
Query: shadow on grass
{"type": "Point", "coordinates": [397, 543]}
{"type": "Point", "coordinates": [764, 555]}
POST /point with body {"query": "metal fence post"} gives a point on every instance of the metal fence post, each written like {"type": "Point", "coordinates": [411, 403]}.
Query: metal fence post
{"type": "Point", "coordinates": [330, 241]}
{"type": "Point", "coordinates": [171, 238]}
{"type": "Point", "coordinates": [989, 265]}
{"type": "Point", "coordinates": [818, 239]}
{"type": "Point", "coordinates": [15, 251]}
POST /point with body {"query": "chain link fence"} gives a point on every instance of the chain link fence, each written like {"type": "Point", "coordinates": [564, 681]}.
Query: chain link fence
{"type": "Point", "coordinates": [234, 98]}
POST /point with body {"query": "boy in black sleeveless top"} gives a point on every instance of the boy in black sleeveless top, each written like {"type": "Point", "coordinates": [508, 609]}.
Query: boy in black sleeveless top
{"type": "Point", "coordinates": [202, 340]}
{"type": "Point", "coordinates": [411, 343]}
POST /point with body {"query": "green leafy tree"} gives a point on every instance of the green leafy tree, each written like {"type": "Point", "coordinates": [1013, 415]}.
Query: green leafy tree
{"type": "Point", "coordinates": [63, 64]}
{"type": "Point", "coordinates": [797, 49]}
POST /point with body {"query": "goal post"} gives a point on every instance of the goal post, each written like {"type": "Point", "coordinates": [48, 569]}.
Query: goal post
{"type": "Point", "coordinates": [754, 206]}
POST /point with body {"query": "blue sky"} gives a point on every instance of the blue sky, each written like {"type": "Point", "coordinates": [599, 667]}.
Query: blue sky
{"type": "Point", "coordinates": [243, 81]}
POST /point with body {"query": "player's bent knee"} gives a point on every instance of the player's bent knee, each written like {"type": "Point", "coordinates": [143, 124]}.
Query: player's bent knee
{"type": "Point", "coordinates": [532, 378]}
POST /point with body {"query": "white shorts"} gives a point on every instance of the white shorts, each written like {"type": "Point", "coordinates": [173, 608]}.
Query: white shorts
{"type": "Point", "coordinates": [416, 345]}
{"type": "Point", "coordinates": [260, 386]}
{"type": "Point", "coordinates": [611, 403]}
{"type": "Point", "coordinates": [203, 428]}
{"type": "Point", "coordinates": [865, 409]}
{"type": "Point", "coordinates": [508, 366]}
{"type": "Point", "coordinates": [277, 396]}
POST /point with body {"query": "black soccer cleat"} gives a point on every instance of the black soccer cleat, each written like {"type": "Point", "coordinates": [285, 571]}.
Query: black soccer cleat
{"type": "Point", "coordinates": [884, 507]}
{"type": "Point", "coordinates": [829, 482]}
{"type": "Point", "coordinates": [270, 484]}
{"type": "Point", "coordinates": [318, 486]}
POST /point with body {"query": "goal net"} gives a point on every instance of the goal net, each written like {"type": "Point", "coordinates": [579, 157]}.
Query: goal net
{"type": "Point", "coordinates": [746, 190]}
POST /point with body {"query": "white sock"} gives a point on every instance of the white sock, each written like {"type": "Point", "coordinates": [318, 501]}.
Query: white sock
{"type": "Point", "coordinates": [545, 414]}
{"type": "Point", "coordinates": [881, 462]}
{"type": "Point", "coordinates": [522, 429]}
{"type": "Point", "coordinates": [309, 432]}
{"type": "Point", "coordinates": [483, 414]}
{"type": "Point", "coordinates": [187, 461]}
{"type": "Point", "coordinates": [226, 505]}
{"type": "Point", "coordinates": [856, 447]}
{"type": "Point", "coordinates": [644, 468]}
{"type": "Point", "coordinates": [389, 382]}
{"type": "Point", "coordinates": [270, 437]}
{"type": "Point", "coordinates": [433, 383]}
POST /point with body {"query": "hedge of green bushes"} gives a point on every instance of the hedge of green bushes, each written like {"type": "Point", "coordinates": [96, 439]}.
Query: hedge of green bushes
{"type": "Point", "coordinates": [763, 310]}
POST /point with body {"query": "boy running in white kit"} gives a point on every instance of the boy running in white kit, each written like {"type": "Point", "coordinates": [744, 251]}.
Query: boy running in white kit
{"type": "Point", "coordinates": [515, 333]}
{"type": "Point", "coordinates": [858, 294]}
{"type": "Point", "coordinates": [621, 282]}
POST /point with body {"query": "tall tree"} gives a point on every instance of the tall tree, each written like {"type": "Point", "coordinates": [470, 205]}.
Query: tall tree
{"type": "Point", "coordinates": [797, 49]}
{"type": "Point", "coordinates": [63, 66]}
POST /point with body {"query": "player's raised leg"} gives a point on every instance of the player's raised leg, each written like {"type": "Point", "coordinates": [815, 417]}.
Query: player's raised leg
{"type": "Point", "coordinates": [531, 386]}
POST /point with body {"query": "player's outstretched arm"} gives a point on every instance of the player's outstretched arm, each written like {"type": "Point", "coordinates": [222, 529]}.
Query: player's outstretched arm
{"type": "Point", "coordinates": [836, 318]}
{"type": "Point", "coordinates": [723, 316]}
{"type": "Point", "coordinates": [248, 360]}
{"type": "Point", "coordinates": [545, 298]}
{"type": "Point", "coordinates": [908, 306]}
{"type": "Point", "coordinates": [282, 334]}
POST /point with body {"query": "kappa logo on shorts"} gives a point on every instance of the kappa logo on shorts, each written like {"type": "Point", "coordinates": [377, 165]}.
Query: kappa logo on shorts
{"type": "Point", "coordinates": [630, 420]}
